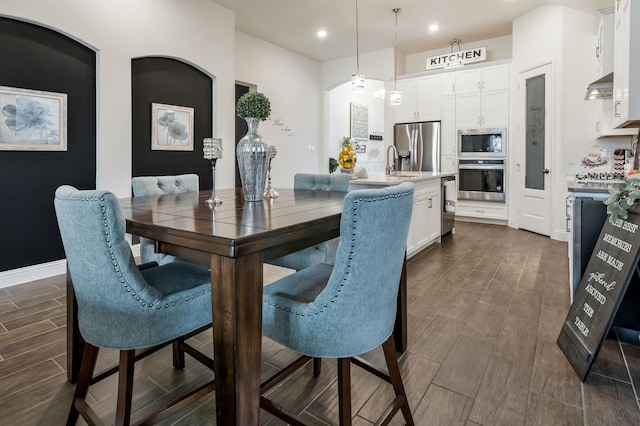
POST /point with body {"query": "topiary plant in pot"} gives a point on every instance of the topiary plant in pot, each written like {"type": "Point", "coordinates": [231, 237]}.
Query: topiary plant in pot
{"type": "Point", "coordinates": [252, 151]}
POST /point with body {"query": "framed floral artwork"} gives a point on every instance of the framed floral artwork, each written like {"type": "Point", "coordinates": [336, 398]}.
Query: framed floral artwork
{"type": "Point", "coordinates": [32, 120]}
{"type": "Point", "coordinates": [171, 127]}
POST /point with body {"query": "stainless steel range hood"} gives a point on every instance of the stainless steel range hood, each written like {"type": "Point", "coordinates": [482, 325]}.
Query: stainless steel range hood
{"type": "Point", "coordinates": [601, 88]}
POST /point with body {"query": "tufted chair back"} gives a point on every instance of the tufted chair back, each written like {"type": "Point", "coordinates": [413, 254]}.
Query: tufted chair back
{"type": "Point", "coordinates": [120, 306]}
{"type": "Point", "coordinates": [354, 311]}
{"type": "Point", "coordinates": [321, 182]}
{"type": "Point", "coordinates": [160, 185]}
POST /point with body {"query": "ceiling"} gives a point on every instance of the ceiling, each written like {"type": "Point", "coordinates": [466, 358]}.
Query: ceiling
{"type": "Point", "coordinates": [293, 23]}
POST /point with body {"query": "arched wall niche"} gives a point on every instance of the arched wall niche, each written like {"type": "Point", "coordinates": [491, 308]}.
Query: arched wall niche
{"type": "Point", "coordinates": [38, 58]}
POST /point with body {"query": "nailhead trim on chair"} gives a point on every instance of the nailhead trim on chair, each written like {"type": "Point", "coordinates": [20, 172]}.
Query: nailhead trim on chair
{"type": "Point", "coordinates": [353, 237]}
{"type": "Point", "coordinates": [103, 208]}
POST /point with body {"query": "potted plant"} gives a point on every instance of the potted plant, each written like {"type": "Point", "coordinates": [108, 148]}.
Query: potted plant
{"type": "Point", "coordinates": [622, 198]}
{"type": "Point", "coordinates": [252, 151]}
{"type": "Point", "coordinates": [253, 105]}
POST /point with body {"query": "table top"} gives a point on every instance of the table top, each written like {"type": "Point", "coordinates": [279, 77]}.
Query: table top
{"type": "Point", "coordinates": [236, 228]}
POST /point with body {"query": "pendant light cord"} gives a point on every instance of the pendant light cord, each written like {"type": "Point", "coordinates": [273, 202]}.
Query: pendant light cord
{"type": "Point", "coordinates": [357, 42]}
{"type": "Point", "coordinates": [395, 52]}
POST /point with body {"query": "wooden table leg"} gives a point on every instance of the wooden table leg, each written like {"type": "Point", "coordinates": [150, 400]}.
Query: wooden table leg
{"type": "Point", "coordinates": [75, 342]}
{"type": "Point", "coordinates": [400, 327]}
{"type": "Point", "coordinates": [237, 337]}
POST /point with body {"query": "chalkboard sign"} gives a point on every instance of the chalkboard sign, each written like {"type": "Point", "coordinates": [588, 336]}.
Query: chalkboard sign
{"type": "Point", "coordinates": [601, 290]}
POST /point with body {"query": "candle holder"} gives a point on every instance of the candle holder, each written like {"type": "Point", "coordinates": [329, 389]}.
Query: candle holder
{"type": "Point", "coordinates": [270, 192]}
{"type": "Point", "coordinates": [212, 149]}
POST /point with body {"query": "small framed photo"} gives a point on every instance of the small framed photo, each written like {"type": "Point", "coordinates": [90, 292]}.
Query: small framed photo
{"type": "Point", "coordinates": [360, 148]}
{"type": "Point", "coordinates": [171, 128]}
{"type": "Point", "coordinates": [32, 120]}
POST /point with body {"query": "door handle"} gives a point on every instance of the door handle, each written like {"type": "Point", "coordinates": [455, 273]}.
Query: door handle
{"type": "Point", "coordinates": [545, 171]}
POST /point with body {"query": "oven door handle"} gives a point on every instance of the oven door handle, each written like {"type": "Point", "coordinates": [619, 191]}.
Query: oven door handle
{"type": "Point", "coordinates": [480, 167]}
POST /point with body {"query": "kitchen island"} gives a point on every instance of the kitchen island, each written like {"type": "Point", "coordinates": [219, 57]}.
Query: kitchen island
{"type": "Point", "coordinates": [428, 207]}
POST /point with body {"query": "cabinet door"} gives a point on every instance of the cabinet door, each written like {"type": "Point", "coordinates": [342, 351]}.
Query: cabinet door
{"type": "Point", "coordinates": [468, 81]}
{"type": "Point", "coordinates": [621, 64]}
{"type": "Point", "coordinates": [421, 211]}
{"type": "Point", "coordinates": [406, 111]}
{"type": "Point", "coordinates": [434, 216]}
{"type": "Point", "coordinates": [448, 83]}
{"type": "Point", "coordinates": [495, 109]}
{"type": "Point", "coordinates": [495, 77]}
{"type": "Point", "coordinates": [429, 100]}
{"type": "Point", "coordinates": [468, 110]}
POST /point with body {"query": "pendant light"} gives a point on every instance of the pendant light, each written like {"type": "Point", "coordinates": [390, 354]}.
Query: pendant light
{"type": "Point", "coordinates": [357, 79]}
{"type": "Point", "coordinates": [395, 96]}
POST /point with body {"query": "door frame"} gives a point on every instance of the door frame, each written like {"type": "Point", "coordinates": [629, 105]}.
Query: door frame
{"type": "Point", "coordinates": [518, 140]}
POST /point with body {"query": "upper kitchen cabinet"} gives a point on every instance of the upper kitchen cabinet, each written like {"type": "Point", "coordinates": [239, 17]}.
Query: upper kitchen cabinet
{"type": "Point", "coordinates": [603, 54]}
{"type": "Point", "coordinates": [626, 65]}
{"type": "Point", "coordinates": [482, 97]}
{"type": "Point", "coordinates": [421, 99]}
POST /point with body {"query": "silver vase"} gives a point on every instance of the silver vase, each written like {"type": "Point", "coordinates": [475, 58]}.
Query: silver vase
{"type": "Point", "coordinates": [252, 154]}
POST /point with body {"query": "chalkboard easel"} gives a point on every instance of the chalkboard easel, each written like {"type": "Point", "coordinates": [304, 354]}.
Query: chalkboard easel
{"type": "Point", "coordinates": [602, 288]}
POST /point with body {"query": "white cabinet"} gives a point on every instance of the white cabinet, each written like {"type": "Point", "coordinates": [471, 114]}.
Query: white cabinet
{"type": "Point", "coordinates": [626, 65]}
{"type": "Point", "coordinates": [448, 135]}
{"type": "Point", "coordinates": [448, 83]}
{"type": "Point", "coordinates": [604, 120]}
{"type": "Point", "coordinates": [482, 210]}
{"type": "Point", "coordinates": [426, 217]}
{"type": "Point", "coordinates": [605, 23]}
{"type": "Point", "coordinates": [482, 97]}
{"type": "Point", "coordinates": [420, 99]}
{"type": "Point", "coordinates": [482, 110]}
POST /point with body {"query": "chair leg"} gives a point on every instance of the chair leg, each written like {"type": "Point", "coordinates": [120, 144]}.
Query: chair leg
{"type": "Point", "coordinates": [88, 366]}
{"type": "Point", "coordinates": [125, 387]}
{"type": "Point", "coordinates": [317, 367]}
{"type": "Point", "coordinates": [178, 354]}
{"type": "Point", "coordinates": [344, 391]}
{"type": "Point", "coordinates": [396, 379]}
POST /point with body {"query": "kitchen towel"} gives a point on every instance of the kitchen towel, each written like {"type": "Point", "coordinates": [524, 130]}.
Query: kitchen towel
{"type": "Point", "coordinates": [450, 196]}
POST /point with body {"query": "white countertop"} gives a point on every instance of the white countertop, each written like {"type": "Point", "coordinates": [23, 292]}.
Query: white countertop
{"type": "Point", "coordinates": [399, 177]}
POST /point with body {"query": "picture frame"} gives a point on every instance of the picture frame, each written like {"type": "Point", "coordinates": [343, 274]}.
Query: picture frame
{"type": "Point", "coordinates": [171, 127]}
{"type": "Point", "coordinates": [32, 120]}
{"type": "Point", "coordinates": [360, 148]}
{"type": "Point", "coordinates": [359, 122]}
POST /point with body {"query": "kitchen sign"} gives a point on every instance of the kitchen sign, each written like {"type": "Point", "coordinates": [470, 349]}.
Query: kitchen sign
{"type": "Point", "coordinates": [605, 281]}
{"type": "Point", "coordinates": [456, 59]}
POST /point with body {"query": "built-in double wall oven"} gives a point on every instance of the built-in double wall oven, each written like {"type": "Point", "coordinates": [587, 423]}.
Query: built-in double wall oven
{"type": "Point", "coordinates": [482, 164]}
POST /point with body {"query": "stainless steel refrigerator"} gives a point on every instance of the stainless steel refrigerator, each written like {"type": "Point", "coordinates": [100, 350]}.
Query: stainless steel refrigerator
{"type": "Point", "coordinates": [418, 146]}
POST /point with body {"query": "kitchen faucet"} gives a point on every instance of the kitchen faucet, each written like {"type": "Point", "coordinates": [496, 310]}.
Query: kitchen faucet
{"type": "Point", "coordinates": [389, 168]}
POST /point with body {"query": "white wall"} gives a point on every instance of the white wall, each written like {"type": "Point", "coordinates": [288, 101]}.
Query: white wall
{"type": "Point", "coordinates": [336, 76]}
{"type": "Point", "coordinates": [498, 48]}
{"type": "Point", "coordinates": [119, 30]}
{"type": "Point", "coordinates": [292, 83]}
{"type": "Point", "coordinates": [339, 104]}
{"type": "Point", "coordinates": [563, 37]}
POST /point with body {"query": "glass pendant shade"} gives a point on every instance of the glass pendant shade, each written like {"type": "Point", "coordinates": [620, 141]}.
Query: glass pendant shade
{"type": "Point", "coordinates": [357, 83]}
{"type": "Point", "coordinates": [395, 97]}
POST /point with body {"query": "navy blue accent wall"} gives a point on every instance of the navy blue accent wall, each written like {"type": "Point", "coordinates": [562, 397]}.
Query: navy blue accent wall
{"type": "Point", "coordinates": [37, 58]}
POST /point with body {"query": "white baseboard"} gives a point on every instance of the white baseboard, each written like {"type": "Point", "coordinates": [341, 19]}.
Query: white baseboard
{"type": "Point", "coordinates": [32, 273]}
{"type": "Point", "coordinates": [40, 271]}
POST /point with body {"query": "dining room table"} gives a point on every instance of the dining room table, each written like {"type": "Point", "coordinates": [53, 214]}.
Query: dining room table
{"type": "Point", "coordinates": [235, 239]}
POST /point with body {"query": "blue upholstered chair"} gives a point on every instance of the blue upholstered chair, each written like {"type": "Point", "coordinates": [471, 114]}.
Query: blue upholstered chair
{"type": "Point", "coordinates": [324, 252]}
{"type": "Point", "coordinates": [159, 185]}
{"type": "Point", "coordinates": [350, 308]}
{"type": "Point", "coordinates": [120, 305]}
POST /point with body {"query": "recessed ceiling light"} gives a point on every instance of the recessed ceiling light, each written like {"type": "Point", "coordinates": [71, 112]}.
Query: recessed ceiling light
{"type": "Point", "coordinates": [321, 34]}
{"type": "Point", "coordinates": [433, 27]}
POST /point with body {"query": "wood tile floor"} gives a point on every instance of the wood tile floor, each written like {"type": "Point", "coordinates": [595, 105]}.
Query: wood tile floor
{"type": "Point", "coordinates": [486, 307]}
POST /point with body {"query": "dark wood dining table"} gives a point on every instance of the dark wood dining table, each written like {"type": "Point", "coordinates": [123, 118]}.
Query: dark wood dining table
{"type": "Point", "coordinates": [235, 238]}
